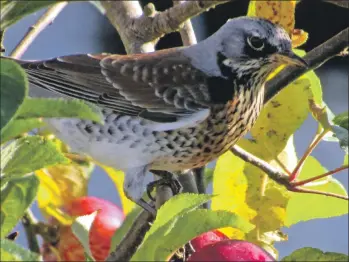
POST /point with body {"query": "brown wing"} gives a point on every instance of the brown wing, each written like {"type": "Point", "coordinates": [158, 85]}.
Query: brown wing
{"type": "Point", "coordinates": [160, 86]}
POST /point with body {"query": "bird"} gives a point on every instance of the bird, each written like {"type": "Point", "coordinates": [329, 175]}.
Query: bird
{"type": "Point", "coordinates": [173, 109]}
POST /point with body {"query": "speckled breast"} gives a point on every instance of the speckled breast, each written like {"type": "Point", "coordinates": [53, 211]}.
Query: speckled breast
{"type": "Point", "coordinates": [195, 147]}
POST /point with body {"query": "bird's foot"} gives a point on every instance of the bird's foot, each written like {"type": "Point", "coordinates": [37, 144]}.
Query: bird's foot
{"type": "Point", "coordinates": [146, 206]}
{"type": "Point", "coordinates": [167, 179]}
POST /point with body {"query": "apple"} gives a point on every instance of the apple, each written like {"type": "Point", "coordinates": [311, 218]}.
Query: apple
{"type": "Point", "coordinates": [207, 238]}
{"type": "Point", "coordinates": [107, 221]}
{"type": "Point", "coordinates": [231, 250]}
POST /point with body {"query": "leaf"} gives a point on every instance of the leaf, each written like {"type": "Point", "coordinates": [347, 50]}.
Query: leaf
{"type": "Point", "coordinates": [12, 11]}
{"type": "Point", "coordinates": [28, 154]}
{"type": "Point", "coordinates": [124, 228]}
{"type": "Point", "coordinates": [342, 120]}
{"type": "Point", "coordinates": [249, 193]}
{"type": "Point", "coordinates": [18, 127]}
{"type": "Point", "coordinates": [281, 13]}
{"type": "Point", "coordinates": [166, 239]}
{"type": "Point", "coordinates": [118, 178]}
{"type": "Point", "coordinates": [16, 196]}
{"type": "Point", "coordinates": [177, 206]}
{"type": "Point", "coordinates": [342, 135]}
{"type": "Point", "coordinates": [59, 185]}
{"type": "Point", "coordinates": [345, 162]}
{"type": "Point", "coordinates": [81, 228]}
{"type": "Point", "coordinates": [13, 90]}
{"type": "Point", "coordinates": [230, 186]}
{"type": "Point", "coordinates": [304, 207]}
{"type": "Point", "coordinates": [314, 254]}
{"type": "Point", "coordinates": [208, 176]}
{"type": "Point", "coordinates": [59, 107]}
{"type": "Point", "coordinates": [10, 251]}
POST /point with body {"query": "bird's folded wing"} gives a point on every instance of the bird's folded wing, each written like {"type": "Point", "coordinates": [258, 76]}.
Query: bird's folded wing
{"type": "Point", "coordinates": [161, 86]}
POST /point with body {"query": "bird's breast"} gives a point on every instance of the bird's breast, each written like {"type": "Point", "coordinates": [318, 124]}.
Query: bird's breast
{"type": "Point", "coordinates": [196, 146]}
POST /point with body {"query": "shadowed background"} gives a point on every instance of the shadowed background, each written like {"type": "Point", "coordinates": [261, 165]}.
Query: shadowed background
{"type": "Point", "coordinates": [80, 28]}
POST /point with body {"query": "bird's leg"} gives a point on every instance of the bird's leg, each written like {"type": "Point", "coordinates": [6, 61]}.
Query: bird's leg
{"type": "Point", "coordinates": [135, 185]}
{"type": "Point", "coordinates": [167, 179]}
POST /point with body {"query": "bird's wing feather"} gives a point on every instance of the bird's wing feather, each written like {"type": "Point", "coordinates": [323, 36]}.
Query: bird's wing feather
{"type": "Point", "coordinates": [162, 86]}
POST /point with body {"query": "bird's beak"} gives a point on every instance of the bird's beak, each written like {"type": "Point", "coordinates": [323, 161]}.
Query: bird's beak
{"type": "Point", "coordinates": [291, 58]}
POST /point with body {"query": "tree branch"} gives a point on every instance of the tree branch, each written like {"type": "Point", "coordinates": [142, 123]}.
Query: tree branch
{"type": "Point", "coordinates": [187, 32]}
{"type": "Point", "coordinates": [341, 3]}
{"type": "Point", "coordinates": [315, 58]}
{"type": "Point", "coordinates": [271, 171]}
{"type": "Point", "coordinates": [139, 32]}
{"type": "Point", "coordinates": [29, 223]}
{"type": "Point", "coordinates": [46, 19]}
{"type": "Point", "coordinates": [134, 237]}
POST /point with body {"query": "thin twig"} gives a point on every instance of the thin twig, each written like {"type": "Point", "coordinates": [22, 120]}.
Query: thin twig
{"type": "Point", "coordinates": [334, 171]}
{"type": "Point", "coordinates": [340, 3]}
{"type": "Point", "coordinates": [311, 147]}
{"type": "Point", "coordinates": [29, 223]}
{"type": "Point", "coordinates": [132, 239]}
{"type": "Point", "coordinates": [315, 58]}
{"type": "Point", "coordinates": [276, 175]}
{"type": "Point", "coordinates": [272, 172]}
{"type": "Point", "coordinates": [46, 19]}
{"type": "Point", "coordinates": [317, 192]}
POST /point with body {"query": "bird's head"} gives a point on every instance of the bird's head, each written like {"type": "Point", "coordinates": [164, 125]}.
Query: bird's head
{"type": "Point", "coordinates": [255, 44]}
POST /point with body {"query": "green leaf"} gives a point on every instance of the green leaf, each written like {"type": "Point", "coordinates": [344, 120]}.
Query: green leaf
{"type": "Point", "coordinates": [345, 162]}
{"type": "Point", "coordinates": [315, 254]}
{"type": "Point", "coordinates": [178, 231]}
{"type": "Point", "coordinates": [304, 207]}
{"type": "Point", "coordinates": [342, 120]}
{"type": "Point", "coordinates": [177, 206]}
{"type": "Point", "coordinates": [13, 90]}
{"type": "Point", "coordinates": [81, 228]}
{"type": "Point", "coordinates": [16, 196]}
{"type": "Point", "coordinates": [124, 228]}
{"type": "Point", "coordinates": [59, 107]}
{"type": "Point", "coordinates": [12, 11]}
{"type": "Point", "coordinates": [18, 127]}
{"type": "Point", "coordinates": [208, 176]}
{"type": "Point", "coordinates": [342, 135]}
{"type": "Point", "coordinates": [10, 251]}
{"type": "Point", "coordinates": [28, 154]}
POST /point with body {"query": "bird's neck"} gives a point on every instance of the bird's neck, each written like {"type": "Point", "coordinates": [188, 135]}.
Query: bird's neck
{"type": "Point", "coordinates": [234, 81]}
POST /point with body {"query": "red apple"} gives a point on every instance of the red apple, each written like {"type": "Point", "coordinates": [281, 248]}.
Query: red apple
{"type": "Point", "coordinates": [207, 238]}
{"type": "Point", "coordinates": [231, 250]}
{"type": "Point", "coordinates": [107, 220]}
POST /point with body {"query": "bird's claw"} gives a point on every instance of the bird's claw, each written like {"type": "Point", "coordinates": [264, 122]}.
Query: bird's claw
{"type": "Point", "coordinates": [167, 179]}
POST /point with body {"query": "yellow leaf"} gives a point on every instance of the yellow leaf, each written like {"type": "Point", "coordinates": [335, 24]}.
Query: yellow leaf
{"type": "Point", "coordinates": [281, 13]}
{"type": "Point", "coordinates": [58, 186]}
{"type": "Point", "coordinates": [299, 37]}
{"type": "Point", "coordinates": [118, 178]}
{"type": "Point", "coordinates": [230, 185]}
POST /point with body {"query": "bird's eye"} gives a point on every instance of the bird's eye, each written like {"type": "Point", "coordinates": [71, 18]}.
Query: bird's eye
{"type": "Point", "coordinates": [256, 43]}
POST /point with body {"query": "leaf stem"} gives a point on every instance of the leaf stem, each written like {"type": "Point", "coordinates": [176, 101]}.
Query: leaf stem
{"type": "Point", "coordinates": [317, 139]}
{"type": "Point", "coordinates": [29, 223]}
{"type": "Point", "coordinates": [303, 182]}
{"type": "Point", "coordinates": [33, 31]}
{"type": "Point", "coordinates": [317, 192]}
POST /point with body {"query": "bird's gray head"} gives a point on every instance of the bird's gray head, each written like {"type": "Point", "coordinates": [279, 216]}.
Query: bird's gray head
{"type": "Point", "coordinates": [254, 43]}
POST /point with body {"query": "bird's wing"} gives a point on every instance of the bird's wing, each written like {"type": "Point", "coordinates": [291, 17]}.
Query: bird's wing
{"type": "Point", "coordinates": [161, 86]}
